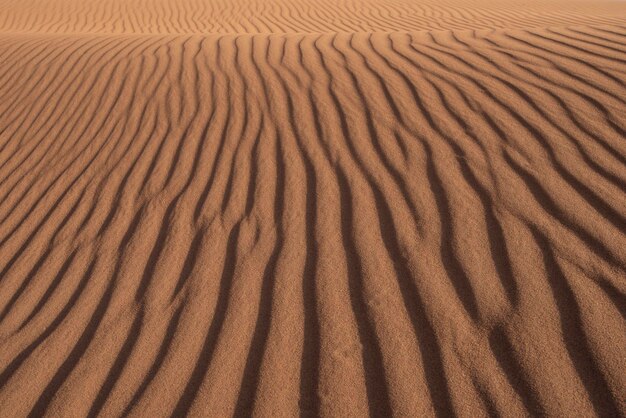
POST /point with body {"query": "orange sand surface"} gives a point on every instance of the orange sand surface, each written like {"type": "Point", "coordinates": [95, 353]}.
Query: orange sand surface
{"type": "Point", "coordinates": [312, 208]}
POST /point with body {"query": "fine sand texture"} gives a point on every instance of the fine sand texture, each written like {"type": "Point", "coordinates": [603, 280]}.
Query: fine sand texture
{"type": "Point", "coordinates": [289, 208]}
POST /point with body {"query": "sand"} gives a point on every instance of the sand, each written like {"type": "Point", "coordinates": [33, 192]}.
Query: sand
{"type": "Point", "coordinates": [301, 208]}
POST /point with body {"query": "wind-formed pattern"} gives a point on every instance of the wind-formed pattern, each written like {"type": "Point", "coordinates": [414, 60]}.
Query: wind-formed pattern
{"type": "Point", "coordinates": [409, 223]}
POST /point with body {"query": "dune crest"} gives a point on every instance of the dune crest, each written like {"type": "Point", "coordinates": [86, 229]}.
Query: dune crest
{"type": "Point", "coordinates": [312, 208]}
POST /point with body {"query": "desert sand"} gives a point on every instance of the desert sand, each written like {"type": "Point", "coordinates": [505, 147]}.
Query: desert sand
{"type": "Point", "coordinates": [312, 208]}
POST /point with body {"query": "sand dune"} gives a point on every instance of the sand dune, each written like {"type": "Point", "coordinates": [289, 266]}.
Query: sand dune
{"type": "Point", "coordinates": [312, 208]}
{"type": "Point", "coordinates": [300, 16]}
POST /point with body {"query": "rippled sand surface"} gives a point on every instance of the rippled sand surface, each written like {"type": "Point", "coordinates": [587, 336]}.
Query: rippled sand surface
{"type": "Point", "coordinates": [312, 208]}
